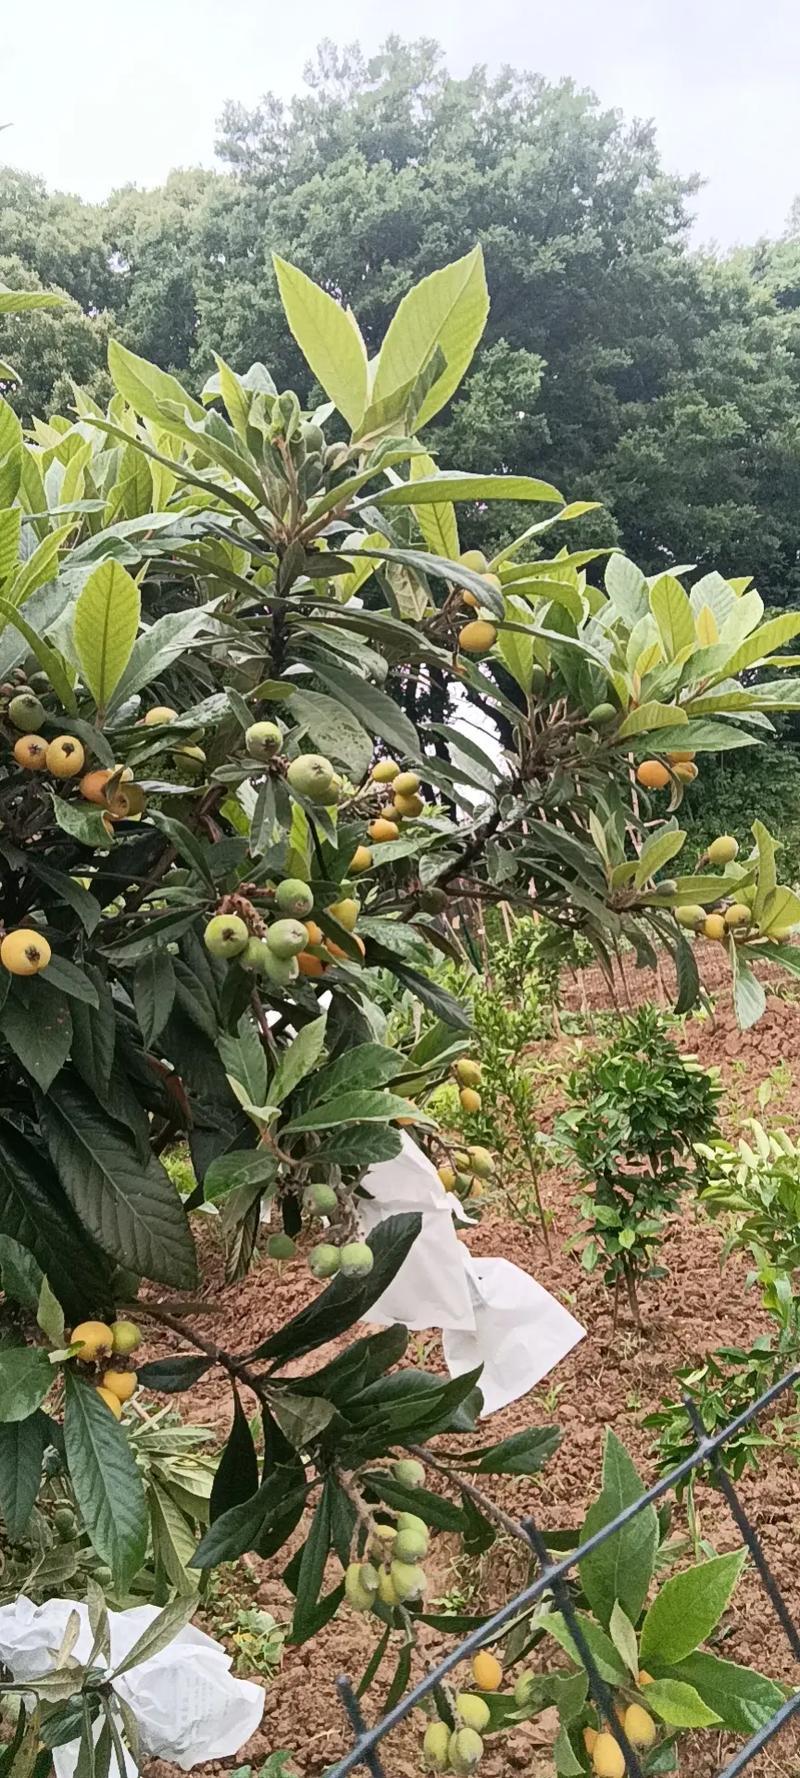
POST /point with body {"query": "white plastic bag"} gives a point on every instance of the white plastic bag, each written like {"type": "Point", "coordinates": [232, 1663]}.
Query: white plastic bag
{"type": "Point", "coordinates": [187, 1703]}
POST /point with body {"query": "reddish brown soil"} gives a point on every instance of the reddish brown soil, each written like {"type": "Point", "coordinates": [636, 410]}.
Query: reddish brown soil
{"type": "Point", "coordinates": [610, 1379]}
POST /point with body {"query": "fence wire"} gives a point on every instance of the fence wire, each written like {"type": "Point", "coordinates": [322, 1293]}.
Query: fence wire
{"type": "Point", "coordinates": [552, 1579]}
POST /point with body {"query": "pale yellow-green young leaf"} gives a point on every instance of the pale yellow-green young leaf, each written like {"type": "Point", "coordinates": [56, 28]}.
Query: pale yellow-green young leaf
{"type": "Point", "coordinates": [651, 716]}
{"type": "Point", "coordinates": [657, 851]}
{"type": "Point", "coordinates": [448, 309]}
{"type": "Point", "coordinates": [236, 398]}
{"type": "Point", "coordinates": [329, 339]}
{"type": "Point", "coordinates": [40, 568]}
{"type": "Point", "coordinates": [782, 908]}
{"type": "Point", "coordinates": [706, 626]}
{"type": "Point", "coordinates": [648, 659]}
{"type": "Point", "coordinates": [767, 874]}
{"type": "Point", "coordinates": [10, 520]}
{"type": "Point", "coordinates": [408, 591]}
{"type": "Point", "coordinates": [146, 388]}
{"type": "Point", "coordinates": [772, 634]}
{"type": "Point", "coordinates": [516, 650]}
{"type": "Point", "coordinates": [742, 619]}
{"type": "Point", "coordinates": [347, 585]}
{"type": "Point", "coordinates": [437, 523]}
{"type": "Point", "coordinates": [673, 614]}
{"type": "Point", "coordinates": [104, 628]}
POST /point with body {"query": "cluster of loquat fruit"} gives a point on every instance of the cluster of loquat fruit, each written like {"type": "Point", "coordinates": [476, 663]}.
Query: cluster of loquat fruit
{"type": "Point", "coordinates": [391, 1573]}
{"type": "Point", "coordinates": [467, 1171]}
{"type": "Point", "coordinates": [654, 774]}
{"type": "Point", "coordinates": [478, 635]}
{"type": "Point", "coordinates": [460, 1749]}
{"type": "Point", "coordinates": [97, 1343]}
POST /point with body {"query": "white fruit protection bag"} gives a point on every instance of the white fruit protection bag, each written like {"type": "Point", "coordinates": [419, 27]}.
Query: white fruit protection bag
{"type": "Point", "coordinates": [490, 1312]}
{"type": "Point", "coordinates": [188, 1706]}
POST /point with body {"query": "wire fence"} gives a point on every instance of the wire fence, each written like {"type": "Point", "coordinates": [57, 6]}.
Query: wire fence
{"type": "Point", "coordinates": [552, 1580]}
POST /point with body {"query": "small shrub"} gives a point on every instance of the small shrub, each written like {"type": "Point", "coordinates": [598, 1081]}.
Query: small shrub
{"type": "Point", "coordinates": [638, 1108]}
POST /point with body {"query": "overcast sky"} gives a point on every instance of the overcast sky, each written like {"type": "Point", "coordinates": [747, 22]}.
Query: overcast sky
{"type": "Point", "coordinates": [97, 97]}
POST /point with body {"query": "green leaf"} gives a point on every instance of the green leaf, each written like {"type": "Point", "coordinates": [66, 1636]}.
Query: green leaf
{"type": "Point", "coordinates": [772, 634]}
{"type": "Point", "coordinates": [155, 650]}
{"type": "Point", "coordinates": [130, 1207]}
{"type": "Point", "coordinates": [67, 890]}
{"type": "Point", "coordinates": [312, 1565]}
{"type": "Point", "coordinates": [241, 1528]}
{"type": "Point", "coordinates": [621, 1568]}
{"type": "Point", "coordinates": [49, 658]}
{"type": "Point", "coordinates": [702, 736]}
{"type": "Point", "coordinates": [679, 1705]}
{"type": "Point", "coordinates": [186, 844]}
{"type": "Point", "coordinates": [742, 1699]}
{"type": "Point", "coordinates": [40, 568]}
{"type": "Point", "coordinates": [329, 339]}
{"type": "Point", "coordinates": [651, 716]}
{"type": "Point", "coordinates": [687, 1608]}
{"type": "Point", "coordinates": [657, 850]}
{"type": "Point", "coordinates": [674, 617]}
{"type": "Point", "coordinates": [346, 1300]}
{"type": "Point", "coordinates": [437, 521]}
{"type": "Point", "coordinates": [104, 627]}
{"type": "Point", "coordinates": [244, 1059]}
{"type": "Point", "coordinates": [609, 1664]}
{"type": "Point", "coordinates": [749, 996]}
{"type": "Point", "coordinates": [448, 310]}
{"type": "Point", "coordinates": [94, 1036]}
{"type": "Point", "coordinates": [10, 520]}
{"type": "Point", "coordinates": [767, 874]}
{"type": "Point", "coordinates": [106, 1481]}
{"type": "Point", "coordinates": [623, 1637]}
{"type": "Point", "coordinates": [36, 1023]}
{"type": "Point", "coordinates": [523, 1453]}
{"type": "Point", "coordinates": [34, 1211]}
{"type": "Point", "coordinates": [148, 389]}
{"type": "Point", "coordinates": [22, 1447]}
{"type": "Point", "coordinates": [334, 731]}
{"type": "Point", "coordinates": [237, 1472]}
{"type": "Point", "coordinates": [153, 993]}
{"type": "Point", "coordinates": [159, 1634]}
{"type": "Point", "coordinates": [454, 484]}
{"type": "Point", "coordinates": [297, 1060]}
{"type": "Point", "coordinates": [20, 1273]}
{"type": "Point", "coordinates": [73, 981]}
{"type": "Point", "coordinates": [361, 1105]}
{"type": "Point", "coordinates": [50, 1316]}
{"type": "Point", "coordinates": [26, 1375]}
{"type": "Point", "coordinates": [18, 302]}
{"type": "Point", "coordinates": [172, 1375]}
{"type": "Point", "coordinates": [82, 822]}
{"type": "Point", "coordinates": [378, 713]}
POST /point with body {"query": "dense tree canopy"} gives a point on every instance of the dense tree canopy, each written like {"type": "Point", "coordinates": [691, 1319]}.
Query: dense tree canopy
{"type": "Point", "coordinates": [660, 382]}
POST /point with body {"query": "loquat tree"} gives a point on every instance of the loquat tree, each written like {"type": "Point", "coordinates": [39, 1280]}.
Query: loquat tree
{"type": "Point", "coordinates": [219, 824]}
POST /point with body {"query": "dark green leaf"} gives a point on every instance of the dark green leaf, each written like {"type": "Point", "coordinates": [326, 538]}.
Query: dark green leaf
{"type": "Point", "coordinates": [131, 1208]}
{"type": "Point", "coordinates": [36, 1023]}
{"type": "Point", "coordinates": [26, 1375]}
{"type": "Point", "coordinates": [35, 1212]}
{"type": "Point", "coordinates": [20, 1274]}
{"type": "Point", "coordinates": [186, 844]}
{"type": "Point", "coordinates": [357, 1106]}
{"type": "Point", "coordinates": [312, 1565]}
{"type": "Point", "coordinates": [346, 1300]}
{"type": "Point", "coordinates": [75, 982]}
{"type": "Point", "coordinates": [236, 1479]}
{"type": "Point", "coordinates": [687, 1608]}
{"type": "Point", "coordinates": [435, 1509]}
{"type": "Point", "coordinates": [743, 1700]}
{"type": "Point", "coordinates": [153, 993]}
{"type": "Point", "coordinates": [94, 1035]}
{"type": "Point", "coordinates": [67, 890]}
{"type": "Point", "coordinates": [106, 1481]}
{"type": "Point", "coordinates": [524, 1453]}
{"type": "Point", "coordinates": [374, 708]}
{"type": "Point", "coordinates": [170, 1376]}
{"type": "Point", "coordinates": [242, 1527]}
{"type": "Point", "coordinates": [622, 1567]}
{"type": "Point", "coordinates": [438, 1000]}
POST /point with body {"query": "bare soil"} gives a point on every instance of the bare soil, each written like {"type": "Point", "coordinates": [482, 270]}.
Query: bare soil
{"type": "Point", "coordinates": [610, 1379]}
